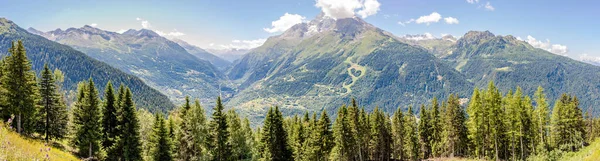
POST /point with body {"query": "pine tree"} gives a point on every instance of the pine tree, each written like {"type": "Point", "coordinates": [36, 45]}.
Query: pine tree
{"type": "Point", "coordinates": [86, 121]}
{"type": "Point", "coordinates": [110, 121]}
{"type": "Point", "coordinates": [193, 132]}
{"type": "Point", "coordinates": [129, 139]}
{"type": "Point", "coordinates": [381, 138]}
{"type": "Point", "coordinates": [161, 141]}
{"type": "Point", "coordinates": [436, 129]}
{"type": "Point", "coordinates": [54, 111]}
{"type": "Point", "coordinates": [425, 132]}
{"type": "Point", "coordinates": [398, 132]}
{"type": "Point", "coordinates": [358, 132]}
{"type": "Point", "coordinates": [542, 121]}
{"type": "Point", "coordinates": [476, 124]}
{"type": "Point", "coordinates": [274, 138]}
{"type": "Point", "coordinates": [219, 136]}
{"type": "Point", "coordinates": [455, 128]}
{"type": "Point", "coordinates": [344, 139]}
{"type": "Point", "coordinates": [250, 140]}
{"type": "Point", "coordinates": [19, 89]}
{"type": "Point", "coordinates": [237, 137]}
{"type": "Point", "coordinates": [411, 139]}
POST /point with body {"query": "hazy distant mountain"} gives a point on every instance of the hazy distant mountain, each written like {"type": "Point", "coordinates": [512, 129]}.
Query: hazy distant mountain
{"type": "Point", "coordinates": [161, 63]}
{"type": "Point", "coordinates": [326, 62]}
{"type": "Point", "coordinates": [231, 54]}
{"type": "Point", "coordinates": [77, 66]}
{"type": "Point", "coordinates": [200, 53]}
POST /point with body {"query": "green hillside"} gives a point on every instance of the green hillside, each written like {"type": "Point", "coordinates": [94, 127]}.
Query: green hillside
{"type": "Point", "coordinates": [77, 66]}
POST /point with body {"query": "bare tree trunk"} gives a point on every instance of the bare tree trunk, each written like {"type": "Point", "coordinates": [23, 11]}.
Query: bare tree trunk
{"type": "Point", "coordinates": [90, 152]}
{"type": "Point", "coordinates": [19, 130]}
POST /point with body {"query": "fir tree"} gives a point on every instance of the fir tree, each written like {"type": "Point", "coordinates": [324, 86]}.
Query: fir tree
{"type": "Point", "coordinates": [381, 138]}
{"type": "Point", "coordinates": [219, 136]}
{"type": "Point", "coordinates": [237, 137]}
{"type": "Point", "coordinates": [455, 128]}
{"type": "Point", "coordinates": [129, 139]}
{"type": "Point", "coordinates": [274, 138]}
{"type": "Point", "coordinates": [110, 121]}
{"type": "Point", "coordinates": [161, 141]}
{"type": "Point", "coordinates": [425, 132]}
{"type": "Point", "coordinates": [19, 89]}
{"type": "Point", "coordinates": [193, 132]}
{"type": "Point", "coordinates": [542, 120]}
{"type": "Point", "coordinates": [86, 121]}
{"type": "Point", "coordinates": [398, 132]}
{"type": "Point", "coordinates": [411, 139]}
{"type": "Point", "coordinates": [54, 111]}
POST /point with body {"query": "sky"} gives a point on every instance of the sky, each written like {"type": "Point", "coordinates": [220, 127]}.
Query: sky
{"type": "Point", "coordinates": [562, 27]}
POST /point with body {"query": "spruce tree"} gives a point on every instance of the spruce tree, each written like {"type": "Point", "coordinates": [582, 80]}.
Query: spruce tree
{"type": "Point", "coordinates": [54, 111]}
{"type": "Point", "coordinates": [237, 137]}
{"type": "Point", "coordinates": [129, 139]}
{"type": "Point", "coordinates": [160, 139]}
{"type": "Point", "coordinates": [274, 138]}
{"type": "Point", "coordinates": [398, 132]}
{"type": "Point", "coordinates": [344, 139]}
{"type": "Point", "coordinates": [193, 132]}
{"type": "Point", "coordinates": [425, 132]}
{"type": "Point", "coordinates": [86, 121]}
{"type": "Point", "coordinates": [110, 121]}
{"type": "Point", "coordinates": [455, 128]}
{"type": "Point", "coordinates": [19, 89]}
{"type": "Point", "coordinates": [411, 139]}
{"type": "Point", "coordinates": [436, 129]}
{"type": "Point", "coordinates": [542, 120]}
{"type": "Point", "coordinates": [219, 136]}
{"type": "Point", "coordinates": [381, 138]}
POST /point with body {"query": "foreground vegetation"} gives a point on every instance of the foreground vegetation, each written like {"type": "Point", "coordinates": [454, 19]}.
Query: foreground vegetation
{"type": "Point", "coordinates": [493, 126]}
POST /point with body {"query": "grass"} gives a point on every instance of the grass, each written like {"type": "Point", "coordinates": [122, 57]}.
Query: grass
{"type": "Point", "coordinates": [15, 147]}
{"type": "Point", "coordinates": [589, 153]}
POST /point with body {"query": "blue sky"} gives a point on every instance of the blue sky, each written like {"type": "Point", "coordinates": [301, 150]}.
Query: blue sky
{"type": "Point", "coordinates": [571, 27]}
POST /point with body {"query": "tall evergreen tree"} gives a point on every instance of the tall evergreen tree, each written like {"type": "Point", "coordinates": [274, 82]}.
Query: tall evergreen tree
{"type": "Point", "coordinates": [161, 141]}
{"type": "Point", "coordinates": [110, 121]}
{"type": "Point", "coordinates": [54, 111]}
{"type": "Point", "coordinates": [238, 137]}
{"type": "Point", "coordinates": [398, 132]}
{"type": "Point", "coordinates": [219, 136]}
{"type": "Point", "coordinates": [381, 138]}
{"type": "Point", "coordinates": [476, 124]}
{"type": "Point", "coordinates": [343, 137]}
{"type": "Point", "coordinates": [19, 89]}
{"type": "Point", "coordinates": [425, 132]}
{"type": "Point", "coordinates": [542, 120]}
{"type": "Point", "coordinates": [455, 128]}
{"type": "Point", "coordinates": [274, 138]}
{"type": "Point", "coordinates": [436, 129]}
{"type": "Point", "coordinates": [86, 121]}
{"type": "Point", "coordinates": [129, 139]}
{"type": "Point", "coordinates": [411, 138]}
{"type": "Point", "coordinates": [193, 133]}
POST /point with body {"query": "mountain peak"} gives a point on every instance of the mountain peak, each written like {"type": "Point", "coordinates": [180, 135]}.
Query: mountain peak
{"type": "Point", "coordinates": [141, 33]}
{"type": "Point", "coordinates": [7, 25]}
{"type": "Point", "coordinates": [479, 35]}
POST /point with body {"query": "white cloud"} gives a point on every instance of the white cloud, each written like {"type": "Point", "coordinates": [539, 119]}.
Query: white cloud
{"type": "Point", "coordinates": [431, 18]}
{"type": "Point", "coordinates": [93, 24]}
{"type": "Point", "coordinates": [137, 19]}
{"type": "Point", "coordinates": [451, 20]}
{"type": "Point", "coordinates": [489, 7]}
{"type": "Point", "coordinates": [406, 22]}
{"type": "Point", "coordinates": [173, 33]}
{"type": "Point", "coordinates": [285, 22]}
{"type": "Point", "coordinates": [590, 59]}
{"type": "Point", "coordinates": [472, 1]}
{"type": "Point", "coordinates": [553, 48]}
{"type": "Point", "coordinates": [146, 25]}
{"type": "Point", "coordinates": [425, 36]}
{"type": "Point", "coordinates": [371, 7]}
{"type": "Point", "coordinates": [339, 9]}
{"type": "Point", "coordinates": [240, 44]}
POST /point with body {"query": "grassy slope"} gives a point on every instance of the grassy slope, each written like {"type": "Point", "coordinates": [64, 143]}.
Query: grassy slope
{"type": "Point", "coordinates": [589, 153]}
{"type": "Point", "coordinates": [15, 147]}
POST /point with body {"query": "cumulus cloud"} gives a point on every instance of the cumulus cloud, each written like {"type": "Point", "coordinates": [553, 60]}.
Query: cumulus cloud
{"type": "Point", "coordinates": [472, 1]}
{"type": "Point", "coordinates": [489, 7]}
{"type": "Point", "coordinates": [285, 22]}
{"type": "Point", "coordinates": [428, 19]}
{"type": "Point", "coordinates": [240, 44]}
{"type": "Point", "coordinates": [425, 36]}
{"type": "Point", "coordinates": [93, 24]}
{"type": "Point", "coordinates": [173, 33]}
{"type": "Point", "coordinates": [451, 20]}
{"type": "Point", "coordinates": [339, 9]}
{"type": "Point", "coordinates": [371, 7]}
{"type": "Point", "coordinates": [553, 48]}
{"type": "Point", "coordinates": [406, 22]}
{"type": "Point", "coordinates": [121, 31]}
{"type": "Point", "coordinates": [590, 59]}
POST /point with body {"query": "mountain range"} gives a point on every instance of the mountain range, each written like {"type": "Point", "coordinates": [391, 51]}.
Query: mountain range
{"type": "Point", "coordinates": [323, 63]}
{"type": "Point", "coordinates": [174, 69]}
{"type": "Point", "coordinates": [77, 66]}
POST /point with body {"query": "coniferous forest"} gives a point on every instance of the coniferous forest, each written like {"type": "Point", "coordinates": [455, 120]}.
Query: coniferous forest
{"type": "Point", "coordinates": [491, 125]}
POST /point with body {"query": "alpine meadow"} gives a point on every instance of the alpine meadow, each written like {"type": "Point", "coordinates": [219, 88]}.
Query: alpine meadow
{"type": "Point", "coordinates": [300, 80]}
